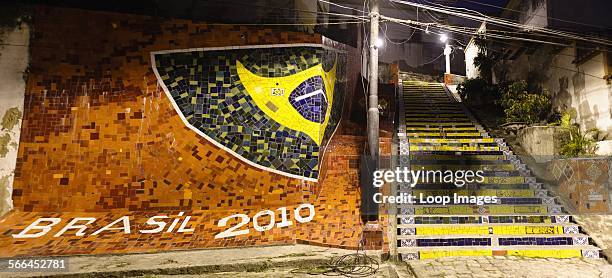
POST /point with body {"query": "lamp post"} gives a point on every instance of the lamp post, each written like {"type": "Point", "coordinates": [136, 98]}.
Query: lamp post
{"type": "Point", "coordinates": [447, 51]}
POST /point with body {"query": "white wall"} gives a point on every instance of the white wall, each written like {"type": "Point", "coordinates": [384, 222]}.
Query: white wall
{"type": "Point", "coordinates": [471, 51]}
{"type": "Point", "coordinates": [13, 63]}
{"type": "Point", "coordinates": [579, 86]}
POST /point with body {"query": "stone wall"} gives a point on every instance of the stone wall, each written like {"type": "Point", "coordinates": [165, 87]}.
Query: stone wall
{"type": "Point", "coordinates": [579, 86]}
{"type": "Point", "coordinates": [13, 65]}
{"type": "Point", "coordinates": [541, 142]}
{"type": "Point", "coordinates": [102, 145]}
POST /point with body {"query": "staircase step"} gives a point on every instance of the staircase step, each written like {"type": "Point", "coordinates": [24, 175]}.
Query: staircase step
{"type": "Point", "coordinates": [452, 141]}
{"type": "Point", "coordinates": [447, 129]}
{"type": "Point", "coordinates": [489, 180]}
{"type": "Point", "coordinates": [473, 186]}
{"type": "Point", "coordinates": [457, 166]}
{"type": "Point", "coordinates": [462, 156]}
{"type": "Point", "coordinates": [463, 209]}
{"type": "Point", "coordinates": [446, 135]}
{"type": "Point", "coordinates": [445, 124]}
{"type": "Point", "coordinates": [501, 200]}
{"type": "Point", "coordinates": [501, 193]}
{"type": "Point", "coordinates": [560, 252]}
{"type": "Point", "coordinates": [485, 219]}
{"type": "Point", "coordinates": [493, 240]}
{"type": "Point", "coordinates": [445, 148]}
{"type": "Point", "coordinates": [488, 229]}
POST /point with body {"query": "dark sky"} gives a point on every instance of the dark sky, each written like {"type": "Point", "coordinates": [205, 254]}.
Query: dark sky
{"type": "Point", "coordinates": [486, 9]}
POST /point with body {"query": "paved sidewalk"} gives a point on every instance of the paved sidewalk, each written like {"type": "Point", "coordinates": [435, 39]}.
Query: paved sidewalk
{"type": "Point", "coordinates": [253, 259]}
{"type": "Point", "coordinates": [490, 267]}
{"type": "Point", "coordinates": [282, 261]}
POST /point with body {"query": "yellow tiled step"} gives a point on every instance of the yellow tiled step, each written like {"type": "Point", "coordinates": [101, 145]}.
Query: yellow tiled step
{"type": "Point", "coordinates": [438, 119]}
{"type": "Point", "coordinates": [487, 209]}
{"type": "Point", "coordinates": [498, 180]}
{"type": "Point", "coordinates": [426, 108]}
{"type": "Point", "coordinates": [434, 114]}
{"type": "Point", "coordinates": [547, 220]}
{"type": "Point", "coordinates": [445, 129]}
{"type": "Point", "coordinates": [453, 148]}
{"type": "Point", "coordinates": [459, 156]}
{"type": "Point", "coordinates": [450, 134]}
{"type": "Point", "coordinates": [580, 235]}
{"type": "Point", "coordinates": [488, 229]}
{"type": "Point", "coordinates": [482, 167]}
{"type": "Point", "coordinates": [447, 124]}
{"type": "Point", "coordinates": [430, 109]}
{"type": "Point", "coordinates": [559, 252]}
{"type": "Point", "coordinates": [451, 141]}
{"type": "Point", "coordinates": [500, 193]}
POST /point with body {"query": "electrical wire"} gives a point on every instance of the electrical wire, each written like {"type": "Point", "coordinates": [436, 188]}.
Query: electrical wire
{"type": "Point", "coordinates": [350, 265]}
{"type": "Point", "coordinates": [502, 22]}
{"type": "Point", "coordinates": [474, 31]}
{"type": "Point", "coordinates": [286, 24]}
{"type": "Point", "coordinates": [538, 15]}
{"type": "Point", "coordinates": [397, 43]}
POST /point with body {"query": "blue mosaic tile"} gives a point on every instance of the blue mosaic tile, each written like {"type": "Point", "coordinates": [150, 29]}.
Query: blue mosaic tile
{"type": "Point", "coordinates": [309, 99]}
{"type": "Point", "coordinates": [211, 97]}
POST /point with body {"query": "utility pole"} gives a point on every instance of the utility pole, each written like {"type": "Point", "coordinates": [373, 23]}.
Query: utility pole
{"type": "Point", "coordinates": [373, 123]}
{"type": "Point", "coordinates": [447, 53]}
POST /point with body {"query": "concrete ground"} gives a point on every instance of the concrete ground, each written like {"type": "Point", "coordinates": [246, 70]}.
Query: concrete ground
{"type": "Point", "coordinates": [599, 227]}
{"type": "Point", "coordinates": [307, 261]}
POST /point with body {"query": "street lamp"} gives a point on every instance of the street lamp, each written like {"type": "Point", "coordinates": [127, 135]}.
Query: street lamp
{"type": "Point", "coordinates": [379, 43]}
{"type": "Point", "coordinates": [447, 51]}
{"type": "Point", "coordinates": [443, 38]}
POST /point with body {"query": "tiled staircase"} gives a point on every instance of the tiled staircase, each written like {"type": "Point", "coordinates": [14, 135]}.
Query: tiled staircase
{"type": "Point", "coordinates": [438, 133]}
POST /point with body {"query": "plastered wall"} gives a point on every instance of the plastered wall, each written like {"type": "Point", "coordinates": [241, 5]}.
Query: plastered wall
{"type": "Point", "coordinates": [14, 41]}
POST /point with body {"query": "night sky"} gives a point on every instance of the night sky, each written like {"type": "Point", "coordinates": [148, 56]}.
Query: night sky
{"type": "Point", "coordinates": [473, 5]}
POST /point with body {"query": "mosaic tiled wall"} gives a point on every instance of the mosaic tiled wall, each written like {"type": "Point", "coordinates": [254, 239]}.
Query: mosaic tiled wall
{"type": "Point", "coordinates": [101, 139]}
{"type": "Point", "coordinates": [586, 183]}
{"type": "Point", "coordinates": [275, 108]}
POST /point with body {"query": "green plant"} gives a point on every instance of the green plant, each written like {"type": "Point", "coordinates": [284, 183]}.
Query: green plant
{"type": "Point", "coordinates": [575, 142]}
{"type": "Point", "coordinates": [484, 60]}
{"type": "Point", "coordinates": [522, 106]}
{"type": "Point", "coordinates": [478, 91]}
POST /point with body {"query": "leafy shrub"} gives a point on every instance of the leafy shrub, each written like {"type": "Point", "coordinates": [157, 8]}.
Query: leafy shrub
{"type": "Point", "coordinates": [522, 106]}
{"type": "Point", "coordinates": [575, 143]}
{"type": "Point", "coordinates": [478, 91]}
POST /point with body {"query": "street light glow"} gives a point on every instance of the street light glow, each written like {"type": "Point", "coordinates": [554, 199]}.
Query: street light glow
{"type": "Point", "coordinates": [379, 43]}
{"type": "Point", "coordinates": [443, 37]}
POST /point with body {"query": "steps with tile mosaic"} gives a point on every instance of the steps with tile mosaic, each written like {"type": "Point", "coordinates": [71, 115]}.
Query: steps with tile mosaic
{"type": "Point", "coordinates": [438, 133]}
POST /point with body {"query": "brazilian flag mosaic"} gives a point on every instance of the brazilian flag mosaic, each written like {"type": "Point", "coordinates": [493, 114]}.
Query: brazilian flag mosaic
{"type": "Point", "coordinates": [275, 108]}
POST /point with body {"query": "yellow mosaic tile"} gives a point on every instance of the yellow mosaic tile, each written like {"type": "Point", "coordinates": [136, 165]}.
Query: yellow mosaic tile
{"type": "Point", "coordinates": [526, 193]}
{"type": "Point", "coordinates": [453, 230]}
{"type": "Point", "coordinates": [491, 167]}
{"type": "Point", "coordinates": [454, 253]}
{"type": "Point", "coordinates": [560, 254]}
{"type": "Point", "coordinates": [493, 209]}
{"type": "Point", "coordinates": [527, 230]}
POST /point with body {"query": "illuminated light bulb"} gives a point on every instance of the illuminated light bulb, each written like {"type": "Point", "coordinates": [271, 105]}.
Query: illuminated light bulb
{"type": "Point", "coordinates": [379, 43]}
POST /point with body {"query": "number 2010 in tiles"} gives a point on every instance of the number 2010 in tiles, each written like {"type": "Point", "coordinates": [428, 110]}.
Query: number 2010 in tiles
{"type": "Point", "coordinates": [243, 219]}
{"type": "Point", "coordinates": [82, 226]}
